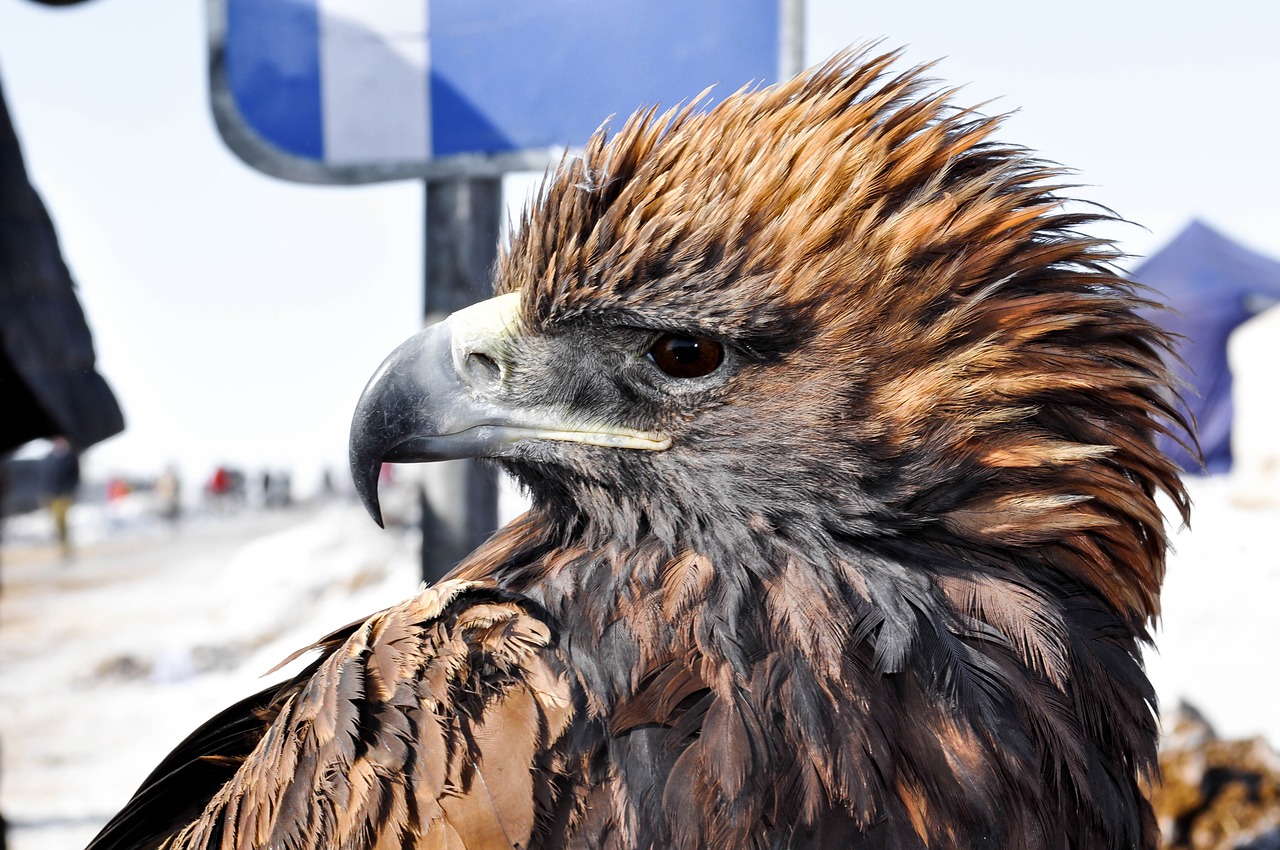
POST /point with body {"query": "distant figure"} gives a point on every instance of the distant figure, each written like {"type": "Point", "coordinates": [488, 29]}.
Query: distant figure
{"type": "Point", "coordinates": [220, 484]}
{"type": "Point", "coordinates": [168, 490]}
{"type": "Point", "coordinates": [225, 489]}
{"type": "Point", "coordinates": [116, 513]}
{"type": "Point", "coordinates": [277, 489]}
{"type": "Point", "coordinates": [327, 487]}
{"type": "Point", "coordinates": [218, 488]}
{"type": "Point", "coordinates": [117, 489]}
{"type": "Point", "coordinates": [284, 489]}
{"type": "Point", "coordinates": [62, 469]}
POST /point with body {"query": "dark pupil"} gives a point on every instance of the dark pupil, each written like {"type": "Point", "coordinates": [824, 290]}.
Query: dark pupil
{"type": "Point", "coordinates": [686, 356]}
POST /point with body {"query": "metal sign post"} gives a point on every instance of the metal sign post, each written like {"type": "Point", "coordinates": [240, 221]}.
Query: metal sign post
{"type": "Point", "coordinates": [460, 497]}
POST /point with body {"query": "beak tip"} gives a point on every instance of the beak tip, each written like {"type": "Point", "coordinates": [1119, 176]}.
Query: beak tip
{"type": "Point", "coordinates": [365, 473]}
{"type": "Point", "coordinates": [369, 498]}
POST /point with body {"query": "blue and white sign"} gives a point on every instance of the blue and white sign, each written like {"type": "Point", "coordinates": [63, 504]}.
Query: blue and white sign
{"type": "Point", "coordinates": [342, 91]}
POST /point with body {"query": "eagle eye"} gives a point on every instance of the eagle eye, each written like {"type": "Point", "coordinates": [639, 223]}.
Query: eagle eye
{"type": "Point", "coordinates": [686, 356]}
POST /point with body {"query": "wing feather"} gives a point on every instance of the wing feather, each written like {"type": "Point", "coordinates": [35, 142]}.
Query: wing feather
{"type": "Point", "coordinates": [420, 726]}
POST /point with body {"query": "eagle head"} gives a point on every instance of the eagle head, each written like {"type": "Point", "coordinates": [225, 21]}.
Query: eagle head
{"type": "Point", "coordinates": [836, 310]}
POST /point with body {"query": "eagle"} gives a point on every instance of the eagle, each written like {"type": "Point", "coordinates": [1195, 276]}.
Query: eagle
{"type": "Point", "coordinates": [838, 430]}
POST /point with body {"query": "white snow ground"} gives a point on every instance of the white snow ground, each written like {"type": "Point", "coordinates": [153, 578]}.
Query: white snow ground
{"type": "Point", "coordinates": [1219, 637]}
{"type": "Point", "coordinates": [108, 661]}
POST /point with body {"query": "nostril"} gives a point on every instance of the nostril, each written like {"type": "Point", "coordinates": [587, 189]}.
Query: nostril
{"type": "Point", "coordinates": [482, 370]}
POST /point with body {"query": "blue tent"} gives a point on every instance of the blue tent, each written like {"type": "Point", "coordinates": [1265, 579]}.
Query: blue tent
{"type": "Point", "coordinates": [1213, 285]}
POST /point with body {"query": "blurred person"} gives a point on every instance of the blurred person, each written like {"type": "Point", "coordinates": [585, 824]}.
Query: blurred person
{"type": "Point", "coordinates": [225, 490]}
{"type": "Point", "coordinates": [62, 479]}
{"type": "Point", "coordinates": [283, 489]}
{"type": "Point", "coordinates": [168, 491]}
{"type": "Point", "coordinates": [118, 489]}
{"type": "Point", "coordinates": [327, 488]}
{"type": "Point", "coordinates": [217, 488]}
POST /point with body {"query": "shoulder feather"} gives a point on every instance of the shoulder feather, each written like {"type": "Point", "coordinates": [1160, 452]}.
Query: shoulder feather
{"type": "Point", "coordinates": [421, 725]}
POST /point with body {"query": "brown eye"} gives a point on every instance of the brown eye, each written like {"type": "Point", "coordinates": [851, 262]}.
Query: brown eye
{"type": "Point", "coordinates": [686, 356]}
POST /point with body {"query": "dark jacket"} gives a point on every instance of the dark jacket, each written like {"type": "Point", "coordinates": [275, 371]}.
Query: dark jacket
{"type": "Point", "coordinates": [48, 381]}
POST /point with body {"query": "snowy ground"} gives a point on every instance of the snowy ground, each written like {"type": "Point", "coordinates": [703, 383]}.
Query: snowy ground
{"type": "Point", "coordinates": [108, 660]}
{"type": "Point", "coordinates": [1219, 639]}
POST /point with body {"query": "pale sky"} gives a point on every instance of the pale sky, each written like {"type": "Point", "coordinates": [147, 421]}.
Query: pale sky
{"type": "Point", "coordinates": [237, 316]}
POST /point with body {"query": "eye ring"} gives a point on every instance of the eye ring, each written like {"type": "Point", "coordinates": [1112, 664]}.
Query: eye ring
{"type": "Point", "coordinates": [685, 356]}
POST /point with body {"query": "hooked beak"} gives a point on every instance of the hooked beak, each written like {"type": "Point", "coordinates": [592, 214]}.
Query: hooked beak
{"type": "Point", "coordinates": [443, 394]}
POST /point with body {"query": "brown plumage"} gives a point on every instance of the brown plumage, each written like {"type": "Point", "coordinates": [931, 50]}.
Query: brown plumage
{"type": "Point", "coordinates": [839, 436]}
